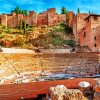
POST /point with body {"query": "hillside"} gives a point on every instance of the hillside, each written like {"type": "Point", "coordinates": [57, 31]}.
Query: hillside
{"type": "Point", "coordinates": [37, 36]}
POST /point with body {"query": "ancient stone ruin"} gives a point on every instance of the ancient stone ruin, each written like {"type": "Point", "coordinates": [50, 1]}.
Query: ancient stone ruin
{"type": "Point", "coordinates": [60, 92]}
{"type": "Point", "coordinates": [49, 17]}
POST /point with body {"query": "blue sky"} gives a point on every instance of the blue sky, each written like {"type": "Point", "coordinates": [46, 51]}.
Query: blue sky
{"type": "Point", "coordinates": [6, 6]}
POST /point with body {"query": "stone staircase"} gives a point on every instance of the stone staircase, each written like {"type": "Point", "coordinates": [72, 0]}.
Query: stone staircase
{"type": "Point", "coordinates": [54, 63]}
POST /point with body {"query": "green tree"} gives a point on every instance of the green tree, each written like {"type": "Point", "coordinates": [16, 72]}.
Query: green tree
{"type": "Point", "coordinates": [17, 10]}
{"type": "Point", "coordinates": [71, 43]}
{"type": "Point", "coordinates": [21, 24]}
{"type": "Point", "coordinates": [64, 10]}
{"type": "Point", "coordinates": [25, 12]}
{"type": "Point", "coordinates": [24, 27]}
{"type": "Point", "coordinates": [78, 10]}
{"type": "Point", "coordinates": [20, 12]}
{"type": "Point", "coordinates": [89, 12]}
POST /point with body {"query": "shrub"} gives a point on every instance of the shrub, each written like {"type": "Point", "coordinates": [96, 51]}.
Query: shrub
{"type": "Point", "coordinates": [62, 24]}
{"type": "Point", "coordinates": [24, 27]}
{"type": "Point", "coordinates": [7, 30]}
{"type": "Point", "coordinates": [3, 27]}
{"type": "Point", "coordinates": [64, 27]}
{"type": "Point", "coordinates": [41, 40]}
{"type": "Point", "coordinates": [69, 30]}
{"type": "Point", "coordinates": [57, 41]}
{"type": "Point", "coordinates": [71, 43]}
{"type": "Point", "coordinates": [21, 24]}
{"type": "Point", "coordinates": [2, 35]}
{"type": "Point", "coordinates": [19, 41]}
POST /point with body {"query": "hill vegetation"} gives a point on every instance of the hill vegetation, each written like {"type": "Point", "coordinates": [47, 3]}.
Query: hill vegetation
{"type": "Point", "coordinates": [38, 36]}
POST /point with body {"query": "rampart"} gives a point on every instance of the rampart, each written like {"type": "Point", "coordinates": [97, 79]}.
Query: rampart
{"type": "Point", "coordinates": [49, 17]}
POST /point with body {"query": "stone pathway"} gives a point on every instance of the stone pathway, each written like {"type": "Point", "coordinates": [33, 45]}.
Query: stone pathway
{"type": "Point", "coordinates": [16, 50]}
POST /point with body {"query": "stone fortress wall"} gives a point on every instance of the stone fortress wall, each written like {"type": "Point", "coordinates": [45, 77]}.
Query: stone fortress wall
{"type": "Point", "coordinates": [86, 30]}
{"type": "Point", "coordinates": [49, 17]}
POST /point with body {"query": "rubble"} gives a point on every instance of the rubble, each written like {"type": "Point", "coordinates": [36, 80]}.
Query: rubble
{"type": "Point", "coordinates": [97, 90]}
{"type": "Point", "coordinates": [60, 92]}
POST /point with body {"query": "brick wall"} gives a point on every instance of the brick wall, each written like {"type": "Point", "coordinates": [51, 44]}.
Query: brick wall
{"type": "Point", "coordinates": [90, 35]}
{"type": "Point", "coordinates": [80, 21]}
{"type": "Point", "coordinates": [86, 30]}
{"type": "Point", "coordinates": [97, 41]}
{"type": "Point", "coordinates": [52, 10]}
{"type": "Point", "coordinates": [62, 18]}
{"type": "Point", "coordinates": [95, 31]}
{"type": "Point", "coordinates": [78, 24]}
{"type": "Point", "coordinates": [49, 17]}
{"type": "Point", "coordinates": [95, 21]}
{"type": "Point", "coordinates": [4, 19]}
{"type": "Point", "coordinates": [74, 26]}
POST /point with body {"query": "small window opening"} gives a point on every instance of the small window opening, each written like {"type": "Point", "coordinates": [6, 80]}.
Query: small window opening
{"type": "Point", "coordinates": [84, 34]}
{"type": "Point", "coordinates": [95, 45]}
{"type": "Point", "coordinates": [95, 18]}
{"type": "Point", "coordinates": [94, 38]}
